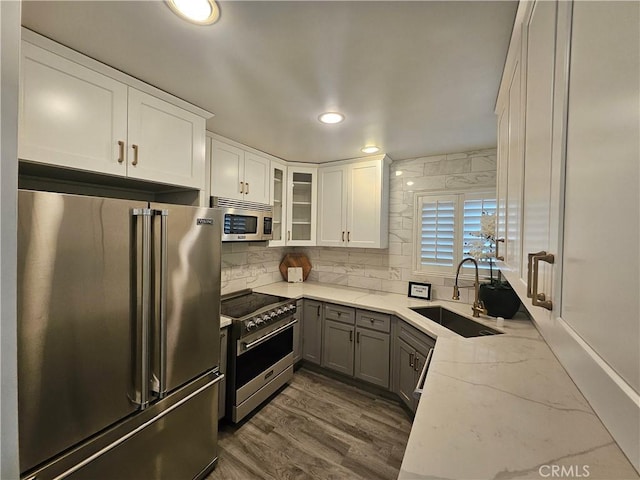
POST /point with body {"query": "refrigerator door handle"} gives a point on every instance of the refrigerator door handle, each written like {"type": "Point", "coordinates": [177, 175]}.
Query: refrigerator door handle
{"type": "Point", "coordinates": [162, 390]}
{"type": "Point", "coordinates": [141, 361]}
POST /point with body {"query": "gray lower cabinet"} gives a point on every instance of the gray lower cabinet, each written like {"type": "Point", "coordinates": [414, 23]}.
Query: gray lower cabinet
{"type": "Point", "coordinates": [372, 357]}
{"type": "Point", "coordinates": [356, 343]}
{"type": "Point", "coordinates": [411, 349]}
{"type": "Point", "coordinates": [337, 353]}
{"type": "Point", "coordinates": [222, 392]}
{"type": "Point", "coordinates": [297, 332]}
{"type": "Point", "coordinates": [312, 331]}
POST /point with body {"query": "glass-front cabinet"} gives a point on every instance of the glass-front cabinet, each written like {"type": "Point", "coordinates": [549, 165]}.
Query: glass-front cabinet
{"type": "Point", "coordinates": [279, 202]}
{"type": "Point", "coordinates": [301, 205]}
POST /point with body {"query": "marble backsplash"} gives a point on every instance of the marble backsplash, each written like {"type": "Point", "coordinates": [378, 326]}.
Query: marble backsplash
{"type": "Point", "coordinates": [249, 265]}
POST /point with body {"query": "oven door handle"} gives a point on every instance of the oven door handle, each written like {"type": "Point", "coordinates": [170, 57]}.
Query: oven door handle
{"type": "Point", "coordinates": [250, 345]}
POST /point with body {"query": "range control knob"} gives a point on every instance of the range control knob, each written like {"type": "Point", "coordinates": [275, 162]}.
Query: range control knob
{"type": "Point", "coordinates": [265, 318]}
{"type": "Point", "coordinates": [274, 314]}
{"type": "Point", "coordinates": [251, 325]}
{"type": "Point", "coordinates": [281, 311]}
{"type": "Point", "coordinates": [259, 321]}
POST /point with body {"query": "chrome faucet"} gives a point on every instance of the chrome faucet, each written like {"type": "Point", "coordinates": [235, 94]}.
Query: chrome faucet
{"type": "Point", "coordinates": [478, 306]}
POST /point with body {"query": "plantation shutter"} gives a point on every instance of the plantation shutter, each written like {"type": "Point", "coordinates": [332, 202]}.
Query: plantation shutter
{"type": "Point", "coordinates": [474, 207]}
{"type": "Point", "coordinates": [437, 239]}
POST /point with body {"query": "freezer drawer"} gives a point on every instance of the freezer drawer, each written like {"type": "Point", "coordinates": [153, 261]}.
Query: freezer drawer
{"type": "Point", "coordinates": [176, 438]}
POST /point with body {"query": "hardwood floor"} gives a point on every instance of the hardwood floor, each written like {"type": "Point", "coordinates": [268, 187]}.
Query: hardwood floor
{"type": "Point", "coordinates": [316, 428]}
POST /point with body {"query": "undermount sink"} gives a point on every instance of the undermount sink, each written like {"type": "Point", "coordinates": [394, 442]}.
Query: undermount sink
{"type": "Point", "coordinates": [456, 323]}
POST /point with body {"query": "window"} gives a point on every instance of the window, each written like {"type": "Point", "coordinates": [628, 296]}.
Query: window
{"type": "Point", "coordinates": [445, 225]}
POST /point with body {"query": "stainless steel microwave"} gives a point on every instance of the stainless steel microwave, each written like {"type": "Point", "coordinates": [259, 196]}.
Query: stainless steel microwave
{"type": "Point", "coordinates": [244, 221]}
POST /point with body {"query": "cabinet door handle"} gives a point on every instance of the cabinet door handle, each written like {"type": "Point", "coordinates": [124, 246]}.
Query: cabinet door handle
{"type": "Point", "coordinates": [135, 154]}
{"type": "Point", "coordinates": [539, 299]}
{"type": "Point", "coordinates": [247, 185]}
{"type": "Point", "coordinates": [358, 337]}
{"type": "Point", "coordinates": [241, 187]}
{"type": "Point", "coordinates": [411, 360]}
{"type": "Point", "coordinates": [351, 335]}
{"type": "Point", "coordinates": [498, 242]}
{"type": "Point", "coordinates": [416, 364]}
{"type": "Point", "coordinates": [343, 236]}
{"type": "Point", "coordinates": [530, 273]}
{"type": "Point", "coordinates": [120, 151]}
{"type": "Point", "coordinates": [288, 235]}
{"type": "Point", "coordinates": [318, 310]}
{"type": "Point", "coordinates": [348, 236]}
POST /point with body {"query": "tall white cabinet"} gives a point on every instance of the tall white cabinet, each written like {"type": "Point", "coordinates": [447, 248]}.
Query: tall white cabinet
{"type": "Point", "coordinates": [353, 199]}
{"type": "Point", "coordinates": [569, 202]}
{"type": "Point", "coordinates": [302, 186]}
{"type": "Point", "coordinates": [78, 114]}
{"type": "Point", "coordinates": [279, 203]}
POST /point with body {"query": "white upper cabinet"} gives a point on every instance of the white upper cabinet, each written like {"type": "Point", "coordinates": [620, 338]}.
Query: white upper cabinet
{"type": "Point", "coordinates": [353, 204]}
{"type": "Point", "coordinates": [279, 202]}
{"type": "Point", "coordinates": [76, 117]}
{"type": "Point", "coordinates": [302, 192]}
{"type": "Point", "coordinates": [70, 116]}
{"type": "Point", "coordinates": [166, 143]}
{"type": "Point", "coordinates": [238, 173]}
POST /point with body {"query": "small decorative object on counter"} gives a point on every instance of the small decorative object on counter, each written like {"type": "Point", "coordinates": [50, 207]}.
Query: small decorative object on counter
{"type": "Point", "coordinates": [498, 297]}
{"type": "Point", "coordinates": [294, 274]}
{"type": "Point", "coordinates": [295, 260]}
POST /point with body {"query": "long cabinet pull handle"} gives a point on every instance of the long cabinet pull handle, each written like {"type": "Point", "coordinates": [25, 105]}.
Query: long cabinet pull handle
{"type": "Point", "coordinates": [498, 256]}
{"type": "Point", "coordinates": [539, 299]}
{"type": "Point", "coordinates": [411, 360]}
{"type": "Point", "coordinates": [135, 154]}
{"type": "Point", "coordinates": [530, 271]}
{"type": "Point", "coordinates": [241, 187]}
{"type": "Point", "coordinates": [351, 335]}
{"type": "Point", "coordinates": [358, 337]}
{"type": "Point", "coordinates": [164, 246]}
{"type": "Point", "coordinates": [120, 151]}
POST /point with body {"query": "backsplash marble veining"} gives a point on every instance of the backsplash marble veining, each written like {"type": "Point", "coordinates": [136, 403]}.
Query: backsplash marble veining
{"type": "Point", "coordinates": [249, 265]}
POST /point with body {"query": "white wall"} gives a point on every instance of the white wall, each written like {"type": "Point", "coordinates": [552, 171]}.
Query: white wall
{"type": "Point", "coordinates": [9, 56]}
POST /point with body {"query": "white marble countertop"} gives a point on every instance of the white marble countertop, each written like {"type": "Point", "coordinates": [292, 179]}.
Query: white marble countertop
{"type": "Point", "coordinates": [496, 407]}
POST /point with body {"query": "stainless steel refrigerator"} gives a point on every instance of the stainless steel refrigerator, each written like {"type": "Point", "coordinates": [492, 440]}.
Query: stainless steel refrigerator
{"type": "Point", "coordinates": [118, 338]}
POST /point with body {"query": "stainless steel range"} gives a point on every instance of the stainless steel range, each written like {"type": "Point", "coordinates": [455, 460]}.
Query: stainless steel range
{"type": "Point", "coordinates": [261, 350]}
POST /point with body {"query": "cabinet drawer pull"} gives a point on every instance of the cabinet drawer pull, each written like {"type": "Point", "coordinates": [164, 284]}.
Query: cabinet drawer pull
{"type": "Point", "coordinates": [498, 242]}
{"type": "Point", "coordinates": [539, 299]}
{"type": "Point", "coordinates": [529, 271]}
{"type": "Point", "coordinates": [120, 151]}
{"type": "Point", "coordinates": [135, 154]}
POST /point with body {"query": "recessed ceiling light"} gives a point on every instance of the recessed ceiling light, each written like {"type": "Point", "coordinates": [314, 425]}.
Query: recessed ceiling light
{"type": "Point", "coordinates": [200, 12]}
{"type": "Point", "coordinates": [409, 183]}
{"type": "Point", "coordinates": [398, 173]}
{"type": "Point", "coordinates": [331, 117]}
{"type": "Point", "coordinates": [370, 149]}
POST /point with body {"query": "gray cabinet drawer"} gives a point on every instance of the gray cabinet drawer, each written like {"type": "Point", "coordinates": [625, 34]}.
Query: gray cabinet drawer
{"type": "Point", "coordinates": [340, 313]}
{"type": "Point", "coordinates": [373, 320]}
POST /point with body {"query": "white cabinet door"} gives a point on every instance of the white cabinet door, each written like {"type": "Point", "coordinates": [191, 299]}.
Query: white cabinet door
{"type": "Point", "coordinates": [366, 208]}
{"type": "Point", "coordinates": [540, 35]}
{"type": "Point", "coordinates": [332, 206]}
{"type": "Point", "coordinates": [256, 178]}
{"type": "Point", "coordinates": [301, 205]}
{"type": "Point", "coordinates": [514, 173]}
{"type": "Point", "coordinates": [166, 143]}
{"type": "Point", "coordinates": [70, 116]}
{"type": "Point", "coordinates": [227, 171]}
{"type": "Point", "coordinates": [278, 199]}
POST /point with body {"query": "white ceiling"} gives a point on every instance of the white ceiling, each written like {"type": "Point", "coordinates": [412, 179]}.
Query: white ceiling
{"type": "Point", "coordinates": [416, 78]}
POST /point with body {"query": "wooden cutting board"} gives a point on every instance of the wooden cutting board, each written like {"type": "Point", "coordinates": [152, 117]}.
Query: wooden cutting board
{"type": "Point", "coordinates": [295, 260]}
